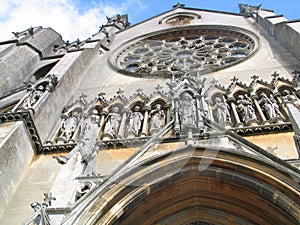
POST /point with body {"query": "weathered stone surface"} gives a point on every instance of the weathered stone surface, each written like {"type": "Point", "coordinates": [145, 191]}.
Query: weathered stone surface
{"type": "Point", "coordinates": [15, 67]}
{"type": "Point", "coordinates": [16, 154]}
{"type": "Point", "coordinates": [37, 179]}
{"type": "Point", "coordinates": [43, 40]}
{"type": "Point", "coordinates": [5, 48]}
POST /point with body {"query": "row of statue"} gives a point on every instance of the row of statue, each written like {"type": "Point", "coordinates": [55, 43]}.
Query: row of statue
{"type": "Point", "coordinates": [221, 112]}
{"type": "Point", "coordinates": [88, 127]}
{"type": "Point", "coordinates": [247, 110]}
{"type": "Point", "coordinates": [112, 122]}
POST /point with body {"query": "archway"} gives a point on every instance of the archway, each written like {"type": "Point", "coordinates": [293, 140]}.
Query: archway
{"type": "Point", "coordinates": [228, 188]}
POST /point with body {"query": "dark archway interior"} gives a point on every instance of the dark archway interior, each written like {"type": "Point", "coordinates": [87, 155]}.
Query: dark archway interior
{"type": "Point", "coordinates": [189, 196]}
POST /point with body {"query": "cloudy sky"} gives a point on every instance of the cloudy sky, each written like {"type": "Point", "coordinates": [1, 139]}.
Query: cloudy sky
{"type": "Point", "coordinates": [81, 18]}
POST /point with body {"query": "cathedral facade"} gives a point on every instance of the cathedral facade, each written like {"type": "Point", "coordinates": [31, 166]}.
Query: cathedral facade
{"type": "Point", "coordinates": [189, 117]}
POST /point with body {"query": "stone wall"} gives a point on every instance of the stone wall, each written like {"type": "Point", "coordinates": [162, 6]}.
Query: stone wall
{"type": "Point", "coordinates": [16, 153]}
{"type": "Point", "coordinates": [286, 32]}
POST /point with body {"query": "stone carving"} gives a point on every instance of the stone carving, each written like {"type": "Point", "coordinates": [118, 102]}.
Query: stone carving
{"type": "Point", "coordinates": [220, 112]}
{"type": "Point", "coordinates": [247, 10]}
{"type": "Point", "coordinates": [30, 31]}
{"type": "Point", "coordinates": [32, 96]}
{"type": "Point", "coordinates": [41, 215]}
{"type": "Point", "coordinates": [291, 98]}
{"type": "Point", "coordinates": [157, 119]}
{"type": "Point", "coordinates": [135, 121]}
{"type": "Point", "coordinates": [288, 97]}
{"type": "Point", "coordinates": [86, 145]}
{"type": "Point", "coordinates": [270, 108]}
{"type": "Point", "coordinates": [84, 188]}
{"type": "Point", "coordinates": [245, 109]}
{"type": "Point", "coordinates": [196, 51]}
{"type": "Point", "coordinates": [35, 91]}
{"type": "Point", "coordinates": [187, 112]}
{"type": "Point", "coordinates": [112, 122]}
{"type": "Point", "coordinates": [68, 127]}
{"type": "Point", "coordinates": [276, 106]}
{"type": "Point", "coordinates": [51, 82]}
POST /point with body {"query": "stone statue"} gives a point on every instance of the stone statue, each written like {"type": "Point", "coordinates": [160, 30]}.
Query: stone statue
{"type": "Point", "coordinates": [288, 97]}
{"type": "Point", "coordinates": [220, 112]}
{"type": "Point", "coordinates": [245, 109]}
{"type": "Point", "coordinates": [86, 145]}
{"type": "Point", "coordinates": [41, 213]}
{"type": "Point", "coordinates": [276, 106]}
{"type": "Point", "coordinates": [135, 121]}
{"type": "Point", "coordinates": [157, 119]}
{"type": "Point", "coordinates": [267, 106]}
{"type": "Point", "coordinates": [68, 126]}
{"type": "Point", "coordinates": [33, 95]}
{"type": "Point", "coordinates": [247, 10]}
{"type": "Point", "coordinates": [187, 112]}
{"type": "Point", "coordinates": [113, 122]}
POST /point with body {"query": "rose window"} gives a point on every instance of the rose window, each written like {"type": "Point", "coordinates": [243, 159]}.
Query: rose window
{"type": "Point", "coordinates": [192, 50]}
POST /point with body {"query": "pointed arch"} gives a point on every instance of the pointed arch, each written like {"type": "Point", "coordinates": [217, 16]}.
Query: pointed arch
{"type": "Point", "coordinates": [196, 183]}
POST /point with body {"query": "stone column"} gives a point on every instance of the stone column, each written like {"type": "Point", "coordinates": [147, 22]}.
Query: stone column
{"type": "Point", "coordinates": [81, 118]}
{"type": "Point", "coordinates": [144, 132]}
{"type": "Point", "coordinates": [168, 113]}
{"type": "Point", "coordinates": [260, 112]}
{"type": "Point", "coordinates": [294, 116]}
{"type": "Point", "coordinates": [199, 106]}
{"type": "Point", "coordinates": [176, 116]}
{"type": "Point", "coordinates": [238, 122]}
{"type": "Point", "coordinates": [280, 103]}
{"type": "Point", "coordinates": [56, 138]}
{"type": "Point", "coordinates": [209, 109]}
{"type": "Point", "coordinates": [228, 119]}
{"type": "Point", "coordinates": [122, 127]}
{"type": "Point", "coordinates": [103, 114]}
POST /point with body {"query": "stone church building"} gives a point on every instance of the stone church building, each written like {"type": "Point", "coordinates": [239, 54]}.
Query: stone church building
{"type": "Point", "coordinates": [189, 117]}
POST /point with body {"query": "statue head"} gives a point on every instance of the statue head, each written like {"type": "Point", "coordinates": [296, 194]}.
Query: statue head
{"type": "Point", "coordinates": [137, 108]}
{"type": "Point", "coordinates": [115, 109]}
{"type": "Point", "coordinates": [240, 97]}
{"type": "Point", "coordinates": [74, 113]}
{"type": "Point", "coordinates": [218, 100]}
{"type": "Point", "coordinates": [158, 106]}
{"type": "Point", "coordinates": [40, 88]}
{"type": "Point", "coordinates": [186, 96]}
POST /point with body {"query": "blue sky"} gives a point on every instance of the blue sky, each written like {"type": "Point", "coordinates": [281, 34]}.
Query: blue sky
{"type": "Point", "coordinates": [81, 18]}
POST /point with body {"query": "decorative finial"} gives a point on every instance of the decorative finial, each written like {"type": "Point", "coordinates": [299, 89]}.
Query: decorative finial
{"type": "Point", "coordinates": [178, 5]}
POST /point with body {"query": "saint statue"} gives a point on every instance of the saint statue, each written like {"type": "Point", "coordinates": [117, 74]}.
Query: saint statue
{"type": "Point", "coordinates": [245, 109]}
{"type": "Point", "coordinates": [86, 145]}
{"type": "Point", "coordinates": [68, 126]}
{"type": "Point", "coordinates": [113, 122]}
{"type": "Point", "coordinates": [187, 112]}
{"type": "Point", "coordinates": [288, 97]}
{"type": "Point", "coordinates": [267, 106]}
{"type": "Point", "coordinates": [220, 112]}
{"type": "Point", "coordinates": [157, 119]}
{"type": "Point", "coordinates": [135, 121]}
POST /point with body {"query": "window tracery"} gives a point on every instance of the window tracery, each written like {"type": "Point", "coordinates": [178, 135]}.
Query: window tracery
{"type": "Point", "coordinates": [199, 50]}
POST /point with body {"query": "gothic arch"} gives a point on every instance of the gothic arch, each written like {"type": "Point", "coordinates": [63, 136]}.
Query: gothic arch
{"type": "Point", "coordinates": [228, 187]}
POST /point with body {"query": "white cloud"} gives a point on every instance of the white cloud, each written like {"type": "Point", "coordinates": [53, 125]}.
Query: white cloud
{"type": "Point", "coordinates": [64, 16]}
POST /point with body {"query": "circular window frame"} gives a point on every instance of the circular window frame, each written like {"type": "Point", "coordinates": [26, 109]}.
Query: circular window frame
{"type": "Point", "coordinates": [117, 55]}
